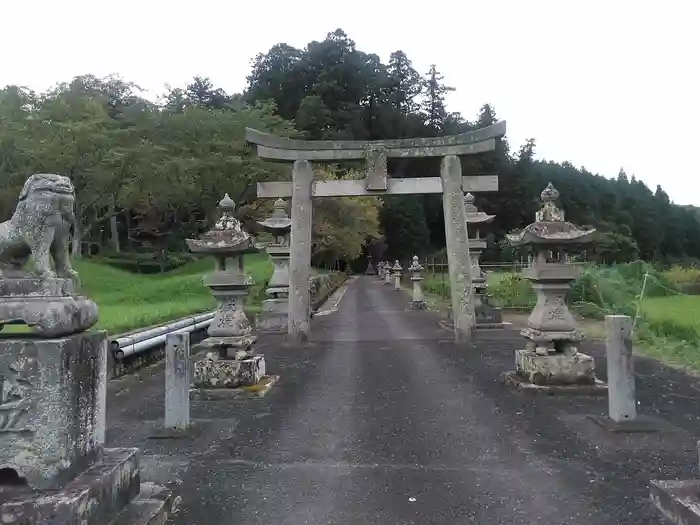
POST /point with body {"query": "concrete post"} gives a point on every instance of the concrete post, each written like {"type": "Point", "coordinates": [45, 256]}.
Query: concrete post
{"type": "Point", "coordinates": [457, 242]}
{"type": "Point", "coordinates": [622, 403]}
{"type": "Point", "coordinates": [300, 252]}
{"type": "Point", "coordinates": [177, 380]}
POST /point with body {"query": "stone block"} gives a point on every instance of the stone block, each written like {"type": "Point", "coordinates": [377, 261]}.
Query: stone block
{"type": "Point", "coordinates": [274, 316]}
{"type": "Point", "coordinates": [678, 501]}
{"type": "Point", "coordinates": [215, 372]}
{"type": "Point", "coordinates": [46, 305]}
{"type": "Point", "coordinates": [555, 368]}
{"type": "Point", "coordinates": [52, 411]}
{"type": "Point", "coordinates": [94, 497]}
{"type": "Point", "coordinates": [252, 370]}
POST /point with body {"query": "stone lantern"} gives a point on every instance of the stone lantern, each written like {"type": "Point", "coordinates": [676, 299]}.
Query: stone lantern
{"type": "Point", "coordinates": [387, 273]}
{"type": "Point", "coordinates": [380, 269]}
{"type": "Point", "coordinates": [396, 272]}
{"type": "Point", "coordinates": [274, 316]}
{"type": "Point", "coordinates": [487, 316]}
{"type": "Point", "coordinates": [551, 356]}
{"type": "Point", "coordinates": [370, 268]}
{"type": "Point", "coordinates": [231, 360]}
{"type": "Point", "coordinates": [418, 302]}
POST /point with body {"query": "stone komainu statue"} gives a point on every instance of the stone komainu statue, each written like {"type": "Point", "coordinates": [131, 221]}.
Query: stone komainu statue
{"type": "Point", "coordinates": [40, 228]}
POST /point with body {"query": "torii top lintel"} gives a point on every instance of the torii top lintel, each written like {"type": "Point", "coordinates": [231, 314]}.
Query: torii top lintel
{"type": "Point", "coordinates": [282, 149]}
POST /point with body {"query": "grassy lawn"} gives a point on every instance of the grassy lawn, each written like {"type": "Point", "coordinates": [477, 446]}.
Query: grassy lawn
{"type": "Point", "coordinates": [128, 301]}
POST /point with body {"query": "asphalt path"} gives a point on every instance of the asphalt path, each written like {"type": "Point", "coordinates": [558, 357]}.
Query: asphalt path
{"type": "Point", "coordinates": [383, 420]}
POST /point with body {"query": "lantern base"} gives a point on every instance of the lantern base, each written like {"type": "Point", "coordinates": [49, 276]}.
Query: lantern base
{"type": "Point", "coordinates": [555, 369]}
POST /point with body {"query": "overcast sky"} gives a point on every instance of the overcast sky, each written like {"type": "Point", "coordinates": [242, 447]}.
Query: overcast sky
{"type": "Point", "coordinates": [601, 83]}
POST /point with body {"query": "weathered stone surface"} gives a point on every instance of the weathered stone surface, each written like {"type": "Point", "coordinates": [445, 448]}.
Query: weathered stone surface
{"type": "Point", "coordinates": [417, 299]}
{"type": "Point", "coordinates": [213, 371]}
{"type": "Point", "coordinates": [678, 501]}
{"type": "Point", "coordinates": [290, 150]}
{"type": "Point", "coordinates": [46, 305]}
{"type": "Point", "coordinates": [252, 370]}
{"type": "Point", "coordinates": [300, 255]}
{"type": "Point", "coordinates": [274, 316]}
{"type": "Point", "coordinates": [555, 368]}
{"type": "Point", "coordinates": [52, 415]}
{"type": "Point", "coordinates": [456, 238]}
{"type": "Point", "coordinates": [95, 497]}
{"type": "Point", "coordinates": [39, 228]}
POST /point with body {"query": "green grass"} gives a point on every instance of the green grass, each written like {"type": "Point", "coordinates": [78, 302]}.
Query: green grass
{"type": "Point", "coordinates": [128, 301]}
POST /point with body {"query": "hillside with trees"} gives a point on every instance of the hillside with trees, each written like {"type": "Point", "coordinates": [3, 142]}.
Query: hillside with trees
{"type": "Point", "coordinates": [150, 174]}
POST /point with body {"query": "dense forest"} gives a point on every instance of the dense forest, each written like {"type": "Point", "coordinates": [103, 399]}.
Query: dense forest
{"type": "Point", "coordinates": [148, 174]}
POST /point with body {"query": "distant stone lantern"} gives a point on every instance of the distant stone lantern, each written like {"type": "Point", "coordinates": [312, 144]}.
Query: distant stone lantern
{"type": "Point", "coordinates": [274, 316]}
{"type": "Point", "coordinates": [231, 360]}
{"type": "Point", "coordinates": [370, 269]}
{"type": "Point", "coordinates": [551, 356]}
{"type": "Point", "coordinates": [387, 273]}
{"type": "Point", "coordinates": [418, 302]}
{"type": "Point", "coordinates": [380, 269]}
{"type": "Point", "coordinates": [396, 272]}
{"type": "Point", "coordinates": [487, 316]}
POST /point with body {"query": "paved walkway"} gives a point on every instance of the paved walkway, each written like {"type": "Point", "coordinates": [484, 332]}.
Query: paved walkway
{"type": "Point", "coordinates": [383, 421]}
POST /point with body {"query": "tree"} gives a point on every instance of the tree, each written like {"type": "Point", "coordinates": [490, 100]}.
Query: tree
{"type": "Point", "coordinates": [434, 103]}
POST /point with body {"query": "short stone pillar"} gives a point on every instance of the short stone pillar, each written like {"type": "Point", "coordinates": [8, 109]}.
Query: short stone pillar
{"type": "Point", "coordinates": [487, 315]}
{"type": "Point", "coordinates": [551, 356]}
{"type": "Point", "coordinates": [622, 402]}
{"type": "Point", "coordinates": [396, 273]}
{"type": "Point", "coordinates": [387, 273]}
{"type": "Point", "coordinates": [231, 360]}
{"type": "Point", "coordinates": [274, 315]}
{"type": "Point", "coordinates": [53, 383]}
{"type": "Point", "coordinates": [177, 381]}
{"type": "Point", "coordinates": [418, 301]}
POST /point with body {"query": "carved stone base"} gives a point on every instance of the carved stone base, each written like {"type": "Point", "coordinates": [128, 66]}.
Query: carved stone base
{"type": "Point", "coordinates": [418, 305]}
{"type": "Point", "coordinates": [274, 317]}
{"type": "Point", "coordinates": [678, 501]}
{"type": "Point", "coordinates": [545, 343]}
{"type": "Point", "coordinates": [557, 369]}
{"type": "Point", "coordinates": [214, 371]}
{"type": "Point", "coordinates": [52, 415]}
{"type": "Point", "coordinates": [49, 306]}
{"type": "Point", "coordinates": [109, 491]}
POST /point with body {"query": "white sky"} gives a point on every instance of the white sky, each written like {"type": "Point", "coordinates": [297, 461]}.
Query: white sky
{"type": "Point", "coordinates": [601, 83]}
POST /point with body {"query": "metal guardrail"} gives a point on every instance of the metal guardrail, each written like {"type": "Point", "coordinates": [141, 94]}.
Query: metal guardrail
{"type": "Point", "coordinates": [138, 342]}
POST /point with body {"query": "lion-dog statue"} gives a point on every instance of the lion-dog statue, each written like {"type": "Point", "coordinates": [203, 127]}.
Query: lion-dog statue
{"type": "Point", "coordinates": [40, 228]}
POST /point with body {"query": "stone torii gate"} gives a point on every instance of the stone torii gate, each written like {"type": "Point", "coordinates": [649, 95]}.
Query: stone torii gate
{"type": "Point", "coordinates": [377, 182]}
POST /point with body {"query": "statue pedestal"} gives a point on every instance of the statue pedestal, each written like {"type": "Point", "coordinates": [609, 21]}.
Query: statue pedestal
{"type": "Point", "coordinates": [52, 432]}
{"type": "Point", "coordinates": [49, 306]}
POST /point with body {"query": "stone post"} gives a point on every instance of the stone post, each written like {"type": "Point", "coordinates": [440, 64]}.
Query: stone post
{"type": "Point", "coordinates": [458, 257]}
{"type": "Point", "coordinates": [622, 404]}
{"type": "Point", "coordinates": [387, 274]}
{"type": "Point", "coordinates": [177, 381]}
{"type": "Point", "coordinates": [396, 271]}
{"type": "Point", "coordinates": [418, 302]}
{"type": "Point", "coordinates": [300, 254]}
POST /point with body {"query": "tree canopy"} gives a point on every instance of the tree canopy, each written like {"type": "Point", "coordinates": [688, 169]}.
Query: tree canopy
{"type": "Point", "coordinates": [148, 174]}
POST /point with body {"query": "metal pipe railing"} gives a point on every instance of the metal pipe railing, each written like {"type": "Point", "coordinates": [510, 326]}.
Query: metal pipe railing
{"type": "Point", "coordinates": [138, 342]}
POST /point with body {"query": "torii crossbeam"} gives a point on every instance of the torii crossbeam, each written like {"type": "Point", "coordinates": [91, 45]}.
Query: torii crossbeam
{"type": "Point", "coordinates": [451, 184]}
